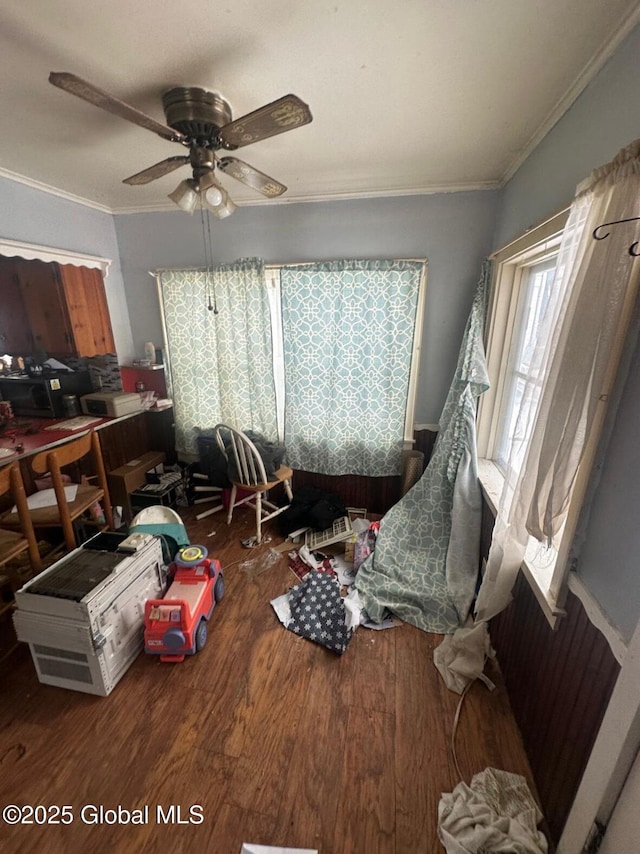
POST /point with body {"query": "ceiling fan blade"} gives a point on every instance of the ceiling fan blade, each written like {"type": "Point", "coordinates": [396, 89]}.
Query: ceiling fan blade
{"type": "Point", "coordinates": [157, 170]}
{"type": "Point", "coordinates": [88, 92]}
{"type": "Point", "coordinates": [251, 177]}
{"type": "Point", "coordinates": [287, 113]}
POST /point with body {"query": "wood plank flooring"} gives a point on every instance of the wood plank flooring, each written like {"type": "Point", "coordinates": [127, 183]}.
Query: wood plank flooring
{"type": "Point", "coordinates": [279, 741]}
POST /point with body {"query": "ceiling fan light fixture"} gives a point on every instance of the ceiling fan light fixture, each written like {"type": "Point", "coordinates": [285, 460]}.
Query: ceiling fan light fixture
{"type": "Point", "coordinates": [225, 209]}
{"type": "Point", "coordinates": [206, 180]}
{"type": "Point", "coordinates": [185, 196]}
{"type": "Point", "coordinates": [213, 196]}
{"type": "Point", "coordinates": [216, 199]}
{"type": "Point", "coordinates": [203, 122]}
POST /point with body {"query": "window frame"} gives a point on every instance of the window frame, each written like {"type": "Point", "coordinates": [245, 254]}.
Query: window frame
{"type": "Point", "coordinates": [508, 275]}
{"type": "Point", "coordinates": [512, 371]}
{"type": "Point", "coordinates": [550, 588]}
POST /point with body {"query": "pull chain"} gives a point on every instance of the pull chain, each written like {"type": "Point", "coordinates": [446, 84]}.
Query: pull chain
{"type": "Point", "coordinates": [213, 282]}
{"type": "Point", "coordinates": [206, 259]}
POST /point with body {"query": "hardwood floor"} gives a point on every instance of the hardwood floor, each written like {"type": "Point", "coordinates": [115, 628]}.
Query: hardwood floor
{"type": "Point", "coordinates": [279, 741]}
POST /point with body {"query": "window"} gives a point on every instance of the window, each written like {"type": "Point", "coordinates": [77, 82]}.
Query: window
{"type": "Point", "coordinates": [558, 318]}
{"type": "Point", "coordinates": [330, 351]}
{"type": "Point", "coordinates": [522, 377]}
{"type": "Point", "coordinates": [346, 367]}
{"type": "Point", "coordinates": [526, 289]}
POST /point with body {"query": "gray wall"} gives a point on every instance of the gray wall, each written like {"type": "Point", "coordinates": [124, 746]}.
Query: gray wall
{"type": "Point", "coordinates": [609, 561]}
{"type": "Point", "coordinates": [453, 231]}
{"type": "Point", "coordinates": [603, 120]}
{"type": "Point", "coordinates": [33, 216]}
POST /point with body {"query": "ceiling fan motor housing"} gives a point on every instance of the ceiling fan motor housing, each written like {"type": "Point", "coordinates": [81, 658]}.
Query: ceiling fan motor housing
{"type": "Point", "coordinates": [196, 113]}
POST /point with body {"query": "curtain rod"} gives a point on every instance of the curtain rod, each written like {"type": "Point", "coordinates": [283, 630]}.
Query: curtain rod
{"type": "Point", "coordinates": [496, 252]}
{"type": "Point", "coordinates": [159, 270]}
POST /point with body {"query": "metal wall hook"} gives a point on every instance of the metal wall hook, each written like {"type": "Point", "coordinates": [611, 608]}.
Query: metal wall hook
{"type": "Point", "coordinates": [634, 246]}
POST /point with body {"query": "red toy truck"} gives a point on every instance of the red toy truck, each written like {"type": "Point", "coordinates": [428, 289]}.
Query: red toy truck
{"type": "Point", "coordinates": [176, 625]}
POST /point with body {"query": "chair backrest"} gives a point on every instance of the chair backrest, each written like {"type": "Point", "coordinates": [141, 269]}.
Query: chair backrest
{"type": "Point", "coordinates": [248, 462]}
{"type": "Point", "coordinates": [63, 455]}
{"type": "Point", "coordinates": [5, 479]}
{"type": "Point", "coordinates": [54, 460]}
{"type": "Point", "coordinates": [11, 481]}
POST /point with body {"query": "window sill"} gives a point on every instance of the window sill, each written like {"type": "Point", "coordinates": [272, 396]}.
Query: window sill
{"type": "Point", "coordinates": [535, 571]}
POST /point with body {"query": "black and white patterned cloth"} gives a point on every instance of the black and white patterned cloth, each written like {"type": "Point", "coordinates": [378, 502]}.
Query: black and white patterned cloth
{"type": "Point", "coordinates": [318, 612]}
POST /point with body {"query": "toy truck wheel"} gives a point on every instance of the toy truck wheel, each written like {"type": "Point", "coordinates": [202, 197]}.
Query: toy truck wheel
{"type": "Point", "coordinates": [218, 589]}
{"type": "Point", "coordinates": [201, 634]}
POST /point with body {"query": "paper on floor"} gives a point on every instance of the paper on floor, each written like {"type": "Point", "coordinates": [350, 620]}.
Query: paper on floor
{"type": "Point", "coordinates": [250, 848]}
{"type": "Point", "coordinates": [281, 606]}
{"type": "Point", "coordinates": [387, 623]}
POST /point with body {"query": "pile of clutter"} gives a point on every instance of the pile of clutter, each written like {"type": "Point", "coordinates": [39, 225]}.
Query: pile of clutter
{"type": "Point", "coordinates": [324, 606]}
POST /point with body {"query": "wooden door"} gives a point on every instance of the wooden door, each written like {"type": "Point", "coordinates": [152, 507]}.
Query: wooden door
{"type": "Point", "coordinates": [45, 306]}
{"type": "Point", "coordinates": [86, 303]}
{"type": "Point", "coordinates": [15, 331]}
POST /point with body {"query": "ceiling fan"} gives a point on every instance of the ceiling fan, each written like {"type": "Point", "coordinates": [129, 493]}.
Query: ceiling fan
{"type": "Point", "coordinates": [202, 122]}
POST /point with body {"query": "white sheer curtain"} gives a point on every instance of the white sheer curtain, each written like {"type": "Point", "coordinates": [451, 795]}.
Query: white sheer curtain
{"type": "Point", "coordinates": [573, 369]}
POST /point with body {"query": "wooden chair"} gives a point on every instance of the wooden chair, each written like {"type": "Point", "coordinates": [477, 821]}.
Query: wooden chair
{"type": "Point", "coordinates": [63, 513]}
{"type": "Point", "coordinates": [13, 543]}
{"type": "Point", "coordinates": [252, 477]}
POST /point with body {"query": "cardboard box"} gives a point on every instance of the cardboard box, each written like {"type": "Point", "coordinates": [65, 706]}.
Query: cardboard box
{"type": "Point", "coordinates": [129, 477]}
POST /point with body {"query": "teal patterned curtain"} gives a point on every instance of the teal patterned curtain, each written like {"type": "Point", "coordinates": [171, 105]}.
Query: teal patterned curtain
{"type": "Point", "coordinates": [348, 341]}
{"type": "Point", "coordinates": [425, 565]}
{"type": "Point", "coordinates": [221, 364]}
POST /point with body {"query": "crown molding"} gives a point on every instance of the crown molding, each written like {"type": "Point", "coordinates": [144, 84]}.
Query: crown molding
{"type": "Point", "coordinates": [332, 197]}
{"type": "Point", "coordinates": [52, 191]}
{"type": "Point", "coordinates": [426, 190]}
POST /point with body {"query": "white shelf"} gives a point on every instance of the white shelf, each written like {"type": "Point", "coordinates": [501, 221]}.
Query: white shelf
{"type": "Point", "coordinates": [143, 367]}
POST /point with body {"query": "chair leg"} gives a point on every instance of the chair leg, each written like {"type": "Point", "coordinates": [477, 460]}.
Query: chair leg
{"type": "Point", "coordinates": [258, 517]}
{"type": "Point", "coordinates": [20, 497]}
{"type": "Point", "coordinates": [287, 489]}
{"type": "Point", "coordinates": [232, 501]}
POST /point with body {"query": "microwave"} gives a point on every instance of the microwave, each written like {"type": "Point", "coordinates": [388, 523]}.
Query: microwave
{"type": "Point", "coordinates": [41, 396]}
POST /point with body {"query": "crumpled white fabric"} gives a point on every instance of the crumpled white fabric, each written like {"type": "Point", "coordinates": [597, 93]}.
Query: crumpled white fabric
{"type": "Point", "coordinates": [460, 657]}
{"type": "Point", "coordinates": [496, 813]}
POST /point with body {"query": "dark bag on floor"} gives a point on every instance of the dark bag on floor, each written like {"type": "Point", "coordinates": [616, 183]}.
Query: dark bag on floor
{"type": "Point", "coordinates": [311, 507]}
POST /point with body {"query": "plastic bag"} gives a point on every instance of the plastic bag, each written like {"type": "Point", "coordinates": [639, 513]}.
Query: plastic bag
{"type": "Point", "coordinates": [365, 544]}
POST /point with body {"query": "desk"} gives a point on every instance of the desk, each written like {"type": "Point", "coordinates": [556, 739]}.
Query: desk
{"type": "Point", "coordinates": [121, 439]}
{"type": "Point", "coordinates": [127, 478]}
{"type": "Point", "coordinates": [34, 436]}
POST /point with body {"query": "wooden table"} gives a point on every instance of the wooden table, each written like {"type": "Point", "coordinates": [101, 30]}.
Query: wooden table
{"type": "Point", "coordinates": [121, 439]}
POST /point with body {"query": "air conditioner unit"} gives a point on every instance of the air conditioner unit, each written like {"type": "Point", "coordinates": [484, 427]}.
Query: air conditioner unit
{"type": "Point", "coordinates": [83, 617]}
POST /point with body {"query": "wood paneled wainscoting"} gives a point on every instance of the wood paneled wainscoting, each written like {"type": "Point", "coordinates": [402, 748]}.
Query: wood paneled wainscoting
{"type": "Point", "coordinates": [559, 684]}
{"type": "Point", "coordinates": [376, 494]}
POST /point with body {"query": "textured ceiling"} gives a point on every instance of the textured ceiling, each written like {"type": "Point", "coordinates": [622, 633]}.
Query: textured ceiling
{"type": "Point", "coordinates": [409, 96]}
